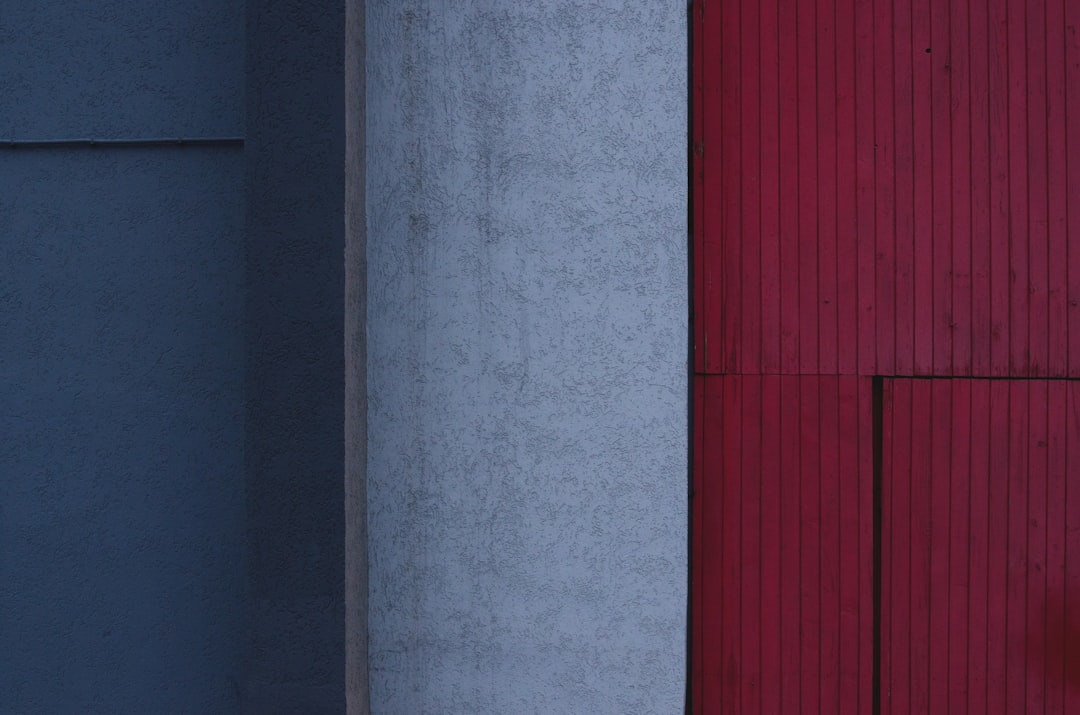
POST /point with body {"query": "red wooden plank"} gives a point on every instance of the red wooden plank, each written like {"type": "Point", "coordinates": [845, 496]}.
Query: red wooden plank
{"type": "Point", "coordinates": [919, 541]}
{"type": "Point", "coordinates": [1072, 153]}
{"type": "Point", "coordinates": [1057, 244]}
{"type": "Point", "coordinates": [712, 313]}
{"type": "Point", "coordinates": [1018, 190]}
{"type": "Point", "coordinates": [1056, 525]}
{"type": "Point", "coordinates": [810, 546]}
{"type": "Point", "coordinates": [1038, 209]}
{"type": "Point", "coordinates": [850, 569]}
{"type": "Point", "coordinates": [937, 538]}
{"type": "Point", "coordinates": [711, 196]}
{"type": "Point", "coordinates": [789, 541]}
{"type": "Point", "coordinates": [789, 191]}
{"type": "Point", "coordinates": [867, 556]}
{"type": "Point", "coordinates": [889, 545]}
{"type": "Point", "coordinates": [847, 247]}
{"type": "Point", "coordinates": [731, 532]}
{"type": "Point", "coordinates": [772, 487]}
{"type": "Point", "coordinates": [699, 199]}
{"type": "Point", "coordinates": [711, 549]}
{"type": "Point", "coordinates": [1017, 552]}
{"type": "Point", "coordinates": [931, 237]}
{"type": "Point", "coordinates": [790, 558]}
{"type": "Point", "coordinates": [699, 537]}
{"type": "Point", "coordinates": [826, 184]}
{"type": "Point", "coordinates": [942, 71]}
{"type": "Point", "coordinates": [958, 67]}
{"type": "Point", "coordinates": [886, 184]}
{"type": "Point", "coordinates": [983, 513]}
{"type": "Point", "coordinates": [998, 508]}
{"type": "Point", "coordinates": [749, 352]}
{"type": "Point", "coordinates": [1036, 477]}
{"type": "Point", "coordinates": [923, 199]}
{"type": "Point", "coordinates": [829, 553]}
{"type": "Point", "coordinates": [750, 538]}
{"type": "Point", "coordinates": [1000, 281]}
{"type": "Point", "coordinates": [904, 219]}
{"type": "Point", "coordinates": [808, 190]}
{"type": "Point", "coordinates": [902, 494]}
{"type": "Point", "coordinates": [771, 285]}
{"type": "Point", "coordinates": [1071, 644]}
{"type": "Point", "coordinates": [838, 105]}
{"type": "Point", "coordinates": [730, 135]}
{"type": "Point", "coordinates": [979, 550]}
{"type": "Point", "coordinates": [864, 68]}
{"type": "Point", "coordinates": [979, 56]}
{"type": "Point", "coordinates": [960, 544]}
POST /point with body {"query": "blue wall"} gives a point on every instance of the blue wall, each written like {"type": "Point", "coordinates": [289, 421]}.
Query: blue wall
{"type": "Point", "coordinates": [108, 68]}
{"type": "Point", "coordinates": [171, 362]}
{"type": "Point", "coordinates": [121, 433]}
{"type": "Point", "coordinates": [122, 531]}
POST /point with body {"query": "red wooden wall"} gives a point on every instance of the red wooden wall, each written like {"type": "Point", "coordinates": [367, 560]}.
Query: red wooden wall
{"type": "Point", "coordinates": [887, 187]}
{"type": "Point", "coordinates": [886, 190]}
{"type": "Point", "coordinates": [980, 547]}
{"type": "Point", "coordinates": [785, 564]}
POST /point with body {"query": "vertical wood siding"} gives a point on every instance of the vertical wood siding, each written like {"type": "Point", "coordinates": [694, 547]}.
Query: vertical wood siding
{"type": "Point", "coordinates": [980, 568]}
{"type": "Point", "coordinates": [888, 187]}
{"type": "Point", "coordinates": [783, 571]}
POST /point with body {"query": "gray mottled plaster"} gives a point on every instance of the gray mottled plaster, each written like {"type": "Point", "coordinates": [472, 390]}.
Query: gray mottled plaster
{"type": "Point", "coordinates": [527, 248]}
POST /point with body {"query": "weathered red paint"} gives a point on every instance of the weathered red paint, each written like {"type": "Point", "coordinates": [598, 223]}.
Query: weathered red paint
{"type": "Point", "coordinates": [979, 611]}
{"type": "Point", "coordinates": [783, 603]}
{"type": "Point", "coordinates": [886, 189]}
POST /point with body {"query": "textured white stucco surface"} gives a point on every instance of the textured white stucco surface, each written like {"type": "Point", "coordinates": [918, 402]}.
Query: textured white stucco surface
{"type": "Point", "coordinates": [527, 327]}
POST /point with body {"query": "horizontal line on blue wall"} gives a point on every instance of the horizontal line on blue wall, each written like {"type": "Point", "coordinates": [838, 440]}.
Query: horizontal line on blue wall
{"type": "Point", "coordinates": [119, 143]}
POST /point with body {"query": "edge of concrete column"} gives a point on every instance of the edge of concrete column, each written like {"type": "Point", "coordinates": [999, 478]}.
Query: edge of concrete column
{"type": "Point", "coordinates": [356, 562]}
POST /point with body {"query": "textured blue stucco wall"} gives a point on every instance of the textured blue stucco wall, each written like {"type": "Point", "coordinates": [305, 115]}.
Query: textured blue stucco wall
{"type": "Point", "coordinates": [527, 364]}
{"type": "Point", "coordinates": [172, 511]}
{"type": "Point", "coordinates": [121, 68]}
{"type": "Point", "coordinates": [121, 431]}
{"type": "Point", "coordinates": [122, 360]}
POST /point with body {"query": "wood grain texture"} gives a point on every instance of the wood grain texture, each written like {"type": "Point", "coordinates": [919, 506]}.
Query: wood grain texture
{"type": "Point", "coordinates": [891, 188]}
{"type": "Point", "coordinates": [784, 555]}
{"type": "Point", "coordinates": [894, 193]}
{"type": "Point", "coordinates": [978, 587]}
